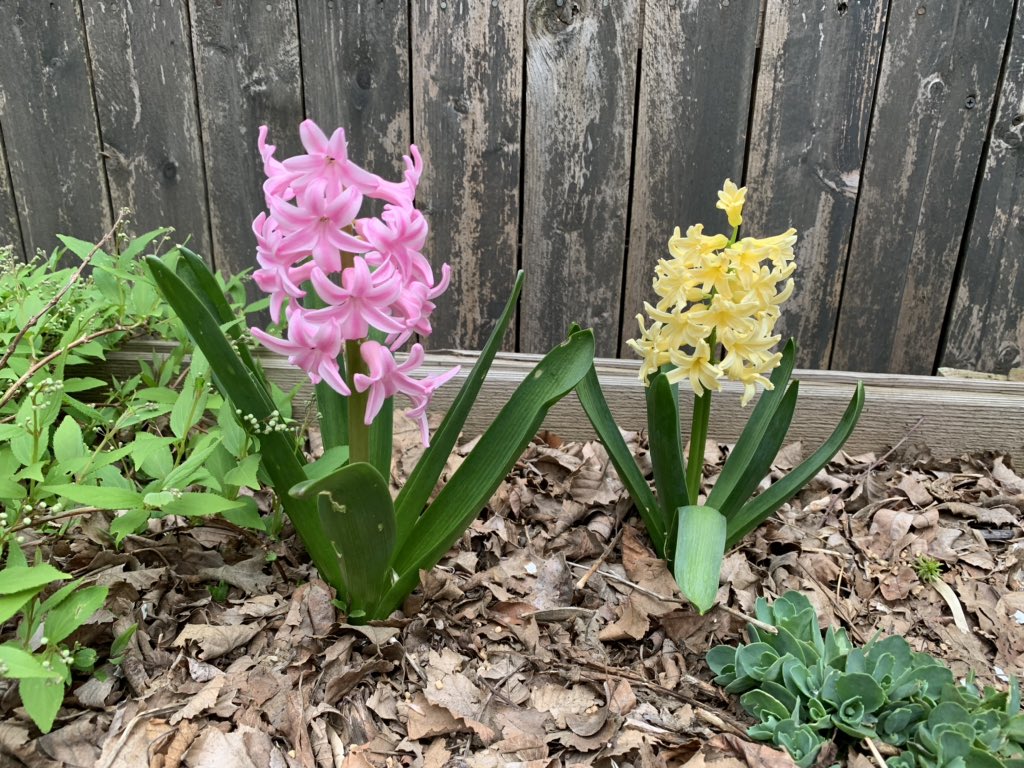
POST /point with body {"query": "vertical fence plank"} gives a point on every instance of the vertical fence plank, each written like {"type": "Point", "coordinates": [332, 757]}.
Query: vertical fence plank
{"type": "Point", "coordinates": [810, 126]}
{"type": "Point", "coordinates": [247, 75]}
{"type": "Point", "coordinates": [49, 123]}
{"type": "Point", "coordinates": [696, 72]}
{"type": "Point", "coordinates": [935, 93]}
{"type": "Point", "coordinates": [580, 87]}
{"type": "Point", "coordinates": [987, 324]}
{"type": "Point", "coordinates": [355, 74]}
{"type": "Point", "coordinates": [145, 97]}
{"type": "Point", "coordinates": [467, 86]}
{"type": "Point", "coordinates": [10, 231]}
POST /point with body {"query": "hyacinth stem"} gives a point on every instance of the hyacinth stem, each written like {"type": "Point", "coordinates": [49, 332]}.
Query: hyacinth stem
{"type": "Point", "coordinates": [698, 436]}
{"type": "Point", "coordinates": [358, 432]}
{"type": "Point", "coordinates": [699, 432]}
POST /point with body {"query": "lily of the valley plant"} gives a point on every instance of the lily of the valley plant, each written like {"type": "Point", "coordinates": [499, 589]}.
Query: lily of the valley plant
{"type": "Point", "coordinates": [718, 302]}
{"type": "Point", "coordinates": [354, 291]}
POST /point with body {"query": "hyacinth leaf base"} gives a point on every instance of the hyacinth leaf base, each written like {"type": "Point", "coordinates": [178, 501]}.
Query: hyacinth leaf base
{"type": "Point", "coordinates": [358, 517]}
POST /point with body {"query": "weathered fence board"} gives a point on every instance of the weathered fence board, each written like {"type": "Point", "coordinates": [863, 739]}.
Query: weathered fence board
{"type": "Point", "coordinates": [809, 131]}
{"type": "Point", "coordinates": [145, 99]}
{"type": "Point", "coordinates": [568, 137]}
{"type": "Point", "coordinates": [247, 74]}
{"type": "Point", "coordinates": [467, 86]}
{"type": "Point", "coordinates": [355, 73]}
{"type": "Point", "coordinates": [49, 123]}
{"type": "Point", "coordinates": [696, 73]}
{"type": "Point", "coordinates": [10, 231]}
{"type": "Point", "coordinates": [936, 90]}
{"type": "Point", "coordinates": [987, 327]}
{"type": "Point", "coordinates": [580, 89]}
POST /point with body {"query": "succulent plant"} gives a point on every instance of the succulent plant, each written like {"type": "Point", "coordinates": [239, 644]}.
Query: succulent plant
{"type": "Point", "coordinates": [807, 687]}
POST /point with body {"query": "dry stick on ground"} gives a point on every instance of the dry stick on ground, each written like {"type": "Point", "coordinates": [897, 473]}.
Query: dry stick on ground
{"type": "Point", "coordinates": [597, 563]}
{"type": "Point", "coordinates": [62, 292]}
{"type": "Point", "coordinates": [875, 754]}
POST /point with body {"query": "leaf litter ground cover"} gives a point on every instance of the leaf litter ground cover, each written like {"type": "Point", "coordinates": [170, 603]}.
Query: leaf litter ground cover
{"type": "Point", "coordinates": [549, 636]}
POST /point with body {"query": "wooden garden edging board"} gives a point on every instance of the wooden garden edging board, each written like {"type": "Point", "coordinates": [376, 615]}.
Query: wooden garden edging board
{"type": "Point", "coordinates": [950, 416]}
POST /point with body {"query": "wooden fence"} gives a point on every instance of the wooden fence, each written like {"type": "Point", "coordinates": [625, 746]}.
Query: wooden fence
{"type": "Point", "coordinates": [567, 137]}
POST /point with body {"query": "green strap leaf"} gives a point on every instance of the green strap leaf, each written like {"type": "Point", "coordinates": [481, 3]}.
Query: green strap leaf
{"type": "Point", "coordinates": [195, 274]}
{"type": "Point", "coordinates": [761, 506]}
{"type": "Point", "coordinates": [358, 517]}
{"type": "Point", "coordinates": [700, 549]}
{"type": "Point", "coordinates": [236, 382]}
{"type": "Point", "coordinates": [489, 462]}
{"type": "Point", "coordinates": [761, 461]}
{"type": "Point", "coordinates": [666, 444]}
{"type": "Point", "coordinates": [753, 433]}
{"type": "Point", "coordinates": [596, 407]}
{"type": "Point", "coordinates": [417, 489]}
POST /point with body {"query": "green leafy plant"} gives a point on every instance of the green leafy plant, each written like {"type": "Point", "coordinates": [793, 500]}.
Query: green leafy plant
{"type": "Point", "coordinates": [807, 687]}
{"type": "Point", "coordinates": [355, 290]}
{"type": "Point", "coordinates": [71, 445]}
{"type": "Point", "coordinates": [718, 305]}
{"type": "Point", "coordinates": [38, 656]}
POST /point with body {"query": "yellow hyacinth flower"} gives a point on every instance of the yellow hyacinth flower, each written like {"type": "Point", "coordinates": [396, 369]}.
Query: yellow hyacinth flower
{"type": "Point", "coordinates": [731, 200]}
{"type": "Point", "coordinates": [718, 302]}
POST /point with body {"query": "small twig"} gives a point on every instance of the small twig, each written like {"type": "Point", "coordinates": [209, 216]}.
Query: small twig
{"type": "Point", "coordinates": [763, 626]}
{"type": "Point", "coordinates": [37, 366]}
{"type": "Point", "coordinates": [32, 321]}
{"type": "Point", "coordinates": [76, 512]}
{"type": "Point", "coordinates": [875, 753]}
{"type": "Point", "coordinates": [636, 587]}
{"type": "Point", "coordinates": [597, 563]}
{"type": "Point", "coordinates": [874, 464]}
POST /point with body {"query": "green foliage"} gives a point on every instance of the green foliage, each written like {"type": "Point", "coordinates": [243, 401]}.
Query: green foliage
{"type": "Point", "coordinates": [38, 656]}
{"type": "Point", "coordinates": [367, 547]}
{"type": "Point", "coordinates": [807, 687]}
{"type": "Point", "coordinates": [160, 443]}
{"type": "Point", "coordinates": [730, 499]}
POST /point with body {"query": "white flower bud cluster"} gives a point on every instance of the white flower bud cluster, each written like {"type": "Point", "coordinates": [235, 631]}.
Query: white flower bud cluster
{"type": "Point", "coordinates": [42, 392]}
{"type": "Point", "coordinates": [276, 423]}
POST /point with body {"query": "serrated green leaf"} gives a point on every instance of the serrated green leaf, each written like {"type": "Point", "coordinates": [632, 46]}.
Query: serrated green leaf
{"type": "Point", "coordinates": [200, 505]}
{"type": "Point", "coordinates": [18, 578]}
{"type": "Point", "coordinates": [128, 523]}
{"type": "Point", "coordinates": [42, 699]}
{"type": "Point", "coordinates": [11, 603]}
{"type": "Point", "coordinates": [99, 497]}
{"type": "Point", "coordinates": [67, 440]}
{"type": "Point", "coordinates": [73, 612]}
{"type": "Point", "coordinates": [245, 473]}
{"type": "Point", "coordinates": [21, 664]}
{"type": "Point", "coordinates": [700, 549]}
{"type": "Point", "coordinates": [358, 516]}
{"type": "Point", "coordinates": [245, 516]}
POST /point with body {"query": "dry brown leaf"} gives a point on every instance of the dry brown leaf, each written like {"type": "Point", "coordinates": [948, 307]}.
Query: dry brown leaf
{"type": "Point", "coordinates": [426, 720]}
{"type": "Point", "coordinates": [213, 641]}
{"type": "Point", "coordinates": [205, 699]}
{"type": "Point", "coordinates": [247, 575]}
{"type": "Point", "coordinates": [728, 751]}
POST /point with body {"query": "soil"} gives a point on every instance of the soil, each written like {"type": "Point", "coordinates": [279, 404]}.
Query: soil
{"type": "Point", "coordinates": [549, 636]}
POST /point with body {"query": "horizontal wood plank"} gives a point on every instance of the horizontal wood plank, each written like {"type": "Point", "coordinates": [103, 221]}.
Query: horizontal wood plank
{"type": "Point", "coordinates": [949, 416]}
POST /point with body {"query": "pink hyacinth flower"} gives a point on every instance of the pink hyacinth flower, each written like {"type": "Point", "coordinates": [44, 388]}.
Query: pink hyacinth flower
{"type": "Point", "coordinates": [278, 274]}
{"type": "Point", "coordinates": [312, 346]}
{"type": "Point", "coordinates": [385, 377]}
{"type": "Point", "coordinates": [316, 225]}
{"type": "Point", "coordinates": [327, 160]}
{"type": "Point", "coordinates": [363, 299]}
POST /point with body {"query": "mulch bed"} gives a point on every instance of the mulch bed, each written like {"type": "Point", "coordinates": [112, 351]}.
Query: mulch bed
{"type": "Point", "coordinates": [549, 636]}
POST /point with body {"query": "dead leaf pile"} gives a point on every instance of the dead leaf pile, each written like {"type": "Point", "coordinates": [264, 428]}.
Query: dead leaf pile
{"type": "Point", "coordinates": [550, 636]}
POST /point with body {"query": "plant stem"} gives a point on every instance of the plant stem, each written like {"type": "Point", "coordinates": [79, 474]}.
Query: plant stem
{"type": "Point", "coordinates": [358, 432]}
{"type": "Point", "coordinates": [699, 433]}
